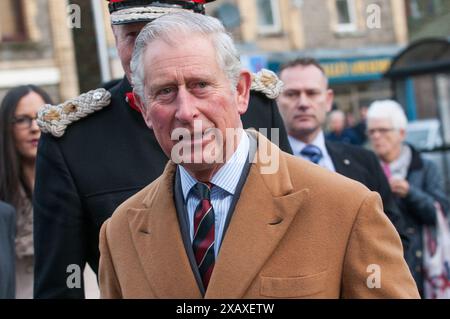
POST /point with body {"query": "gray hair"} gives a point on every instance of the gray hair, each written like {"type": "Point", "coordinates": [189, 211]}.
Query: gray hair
{"type": "Point", "coordinates": [187, 24]}
{"type": "Point", "coordinates": [337, 114]}
{"type": "Point", "coordinates": [388, 109]}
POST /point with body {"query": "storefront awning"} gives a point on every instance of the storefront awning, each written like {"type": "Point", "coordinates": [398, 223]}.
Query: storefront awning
{"type": "Point", "coordinates": [421, 57]}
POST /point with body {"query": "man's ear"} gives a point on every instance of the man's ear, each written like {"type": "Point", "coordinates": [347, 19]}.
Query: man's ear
{"type": "Point", "coordinates": [329, 99]}
{"type": "Point", "coordinates": [144, 111]}
{"type": "Point", "coordinates": [402, 133]}
{"type": "Point", "coordinates": [243, 91]}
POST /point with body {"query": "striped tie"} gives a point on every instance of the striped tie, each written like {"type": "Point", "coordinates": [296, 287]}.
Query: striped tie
{"type": "Point", "coordinates": [203, 243]}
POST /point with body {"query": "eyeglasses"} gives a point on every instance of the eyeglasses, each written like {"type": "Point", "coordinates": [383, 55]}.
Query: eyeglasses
{"type": "Point", "coordinates": [381, 130]}
{"type": "Point", "coordinates": [24, 121]}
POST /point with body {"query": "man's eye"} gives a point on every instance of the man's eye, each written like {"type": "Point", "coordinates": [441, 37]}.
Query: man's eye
{"type": "Point", "coordinates": [132, 34]}
{"type": "Point", "coordinates": [165, 91]}
{"type": "Point", "coordinates": [199, 85]}
{"type": "Point", "coordinates": [312, 93]}
{"type": "Point", "coordinates": [291, 94]}
{"type": "Point", "coordinates": [165, 95]}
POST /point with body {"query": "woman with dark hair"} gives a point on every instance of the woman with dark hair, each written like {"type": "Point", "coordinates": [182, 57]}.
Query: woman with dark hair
{"type": "Point", "coordinates": [19, 136]}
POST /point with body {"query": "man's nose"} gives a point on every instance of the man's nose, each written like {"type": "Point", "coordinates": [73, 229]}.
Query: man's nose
{"type": "Point", "coordinates": [373, 132]}
{"type": "Point", "coordinates": [186, 109]}
{"type": "Point", "coordinates": [303, 101]}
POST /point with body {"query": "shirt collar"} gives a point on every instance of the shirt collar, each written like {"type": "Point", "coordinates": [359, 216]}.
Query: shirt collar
{"type": "Point", "coordinates": [227, 177]}
{"type": "Point", "coordinates": [297, 145]}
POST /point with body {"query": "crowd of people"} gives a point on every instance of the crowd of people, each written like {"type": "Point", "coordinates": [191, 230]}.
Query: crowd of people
{"type": "Point", "coordinates": [107, 190]}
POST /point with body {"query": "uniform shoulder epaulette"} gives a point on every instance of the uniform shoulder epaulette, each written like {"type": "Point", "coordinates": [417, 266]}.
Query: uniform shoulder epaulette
{"type": "Point", "coordinates": [54, 119]}
{"type": "Point", "coordinates": [267, 82]}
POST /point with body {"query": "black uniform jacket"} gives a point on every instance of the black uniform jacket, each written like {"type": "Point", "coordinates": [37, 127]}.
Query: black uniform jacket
{"type": "Point", "coordinates": [83, 176]}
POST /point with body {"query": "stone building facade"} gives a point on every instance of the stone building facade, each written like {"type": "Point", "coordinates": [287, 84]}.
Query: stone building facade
{"type": "Point", "coordinates": [36, 47]}
{"type": "Point", "coordinates": [355, 40]}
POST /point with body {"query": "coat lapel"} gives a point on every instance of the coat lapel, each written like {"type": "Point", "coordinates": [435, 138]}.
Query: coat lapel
{"type": "Point", "coordinates": [159, 245]}
{"type": "Point", "coordinates": [264, 212]}
{"type": "Point", "coordinates": [342, 163]}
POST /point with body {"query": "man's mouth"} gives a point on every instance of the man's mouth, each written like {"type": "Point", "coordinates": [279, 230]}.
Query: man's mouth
{"type": "Point", "coordinates": [303, 117]}
{"type": "Point", "coordinates": [195, 137]}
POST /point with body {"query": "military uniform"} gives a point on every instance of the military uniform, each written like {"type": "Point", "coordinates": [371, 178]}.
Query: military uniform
{"type": "Point", "coordinates": [95, 164]}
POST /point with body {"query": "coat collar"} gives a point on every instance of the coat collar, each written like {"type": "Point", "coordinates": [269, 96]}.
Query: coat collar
{"type": "Point", "coordinates": [416, 160]}
{"type": "Point", "coordinates": [259, 222]}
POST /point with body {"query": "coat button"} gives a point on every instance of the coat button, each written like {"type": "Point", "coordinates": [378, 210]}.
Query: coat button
{"type": "Point", "coordinates": [410, 230]}
{"type": "Point", "coordinates": [418, 269]}
{"type": "Point", "coordinates": [418, 253]}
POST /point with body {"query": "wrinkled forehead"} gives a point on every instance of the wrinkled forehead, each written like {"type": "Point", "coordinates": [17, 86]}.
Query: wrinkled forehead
{"type": "Point", "coordinates": [183, 51]}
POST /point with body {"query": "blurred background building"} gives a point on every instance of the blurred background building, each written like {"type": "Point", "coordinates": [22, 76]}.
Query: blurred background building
{"type": "Point", "coordinates": [67, 46]}
{"type": "Point", "coordinates": [36, 47]}
{"type": "Point", "coordinates": [355, 40]}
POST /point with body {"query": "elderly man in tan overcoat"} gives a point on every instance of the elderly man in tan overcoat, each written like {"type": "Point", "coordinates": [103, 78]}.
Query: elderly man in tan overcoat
{"type": "Point", "coordinates": [232, 216]}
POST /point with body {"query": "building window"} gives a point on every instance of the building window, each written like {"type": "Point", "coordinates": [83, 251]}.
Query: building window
{"type": "Point", "coordinates": [422, 9]}
{"type": "Point", "coordinates": [426, 17]}
{"type": "Point", "coordinates": [12, 28]}
{"type": "Point", "coordinates": [268, 16]}
{"type": "Point", "coordinates": [346, 16]}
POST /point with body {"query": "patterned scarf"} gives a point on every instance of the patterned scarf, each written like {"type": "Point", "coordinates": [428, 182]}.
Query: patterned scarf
{"type": "Point", "coordinates": [399, 167]}
{"type": "Point", "coordinates": [24, 227]}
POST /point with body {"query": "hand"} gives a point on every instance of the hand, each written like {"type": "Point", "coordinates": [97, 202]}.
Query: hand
{"type": "Point", "coordinates": [399, 187]}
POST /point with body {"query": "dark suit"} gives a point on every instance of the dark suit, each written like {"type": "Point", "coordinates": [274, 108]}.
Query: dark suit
{"type": "Point", "coordinates": [363, 166]}
{"type": "Point", "coordinates": [83, 176]}
{"type": "Point", "coordinates": [7, 251]}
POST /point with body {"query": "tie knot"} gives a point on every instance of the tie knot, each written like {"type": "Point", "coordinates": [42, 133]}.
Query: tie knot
{"type": "Point", "coordinates": [203, 190]}
{"type": "Point", "coordinates": [312, 152]}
